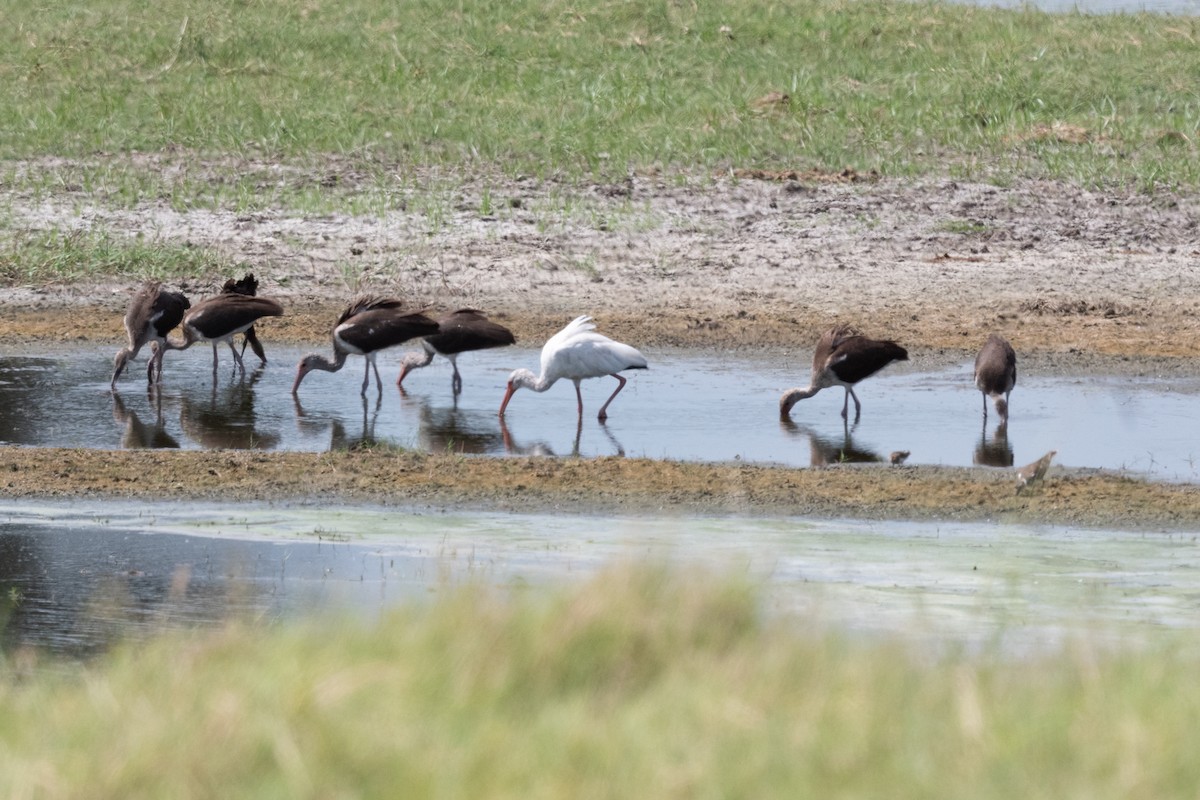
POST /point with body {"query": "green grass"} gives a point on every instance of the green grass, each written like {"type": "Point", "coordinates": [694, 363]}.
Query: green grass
{"type": "Point", "coordinates": [38, 257]}
{"type": "Point", "coordinates": [640, 683]}
{"type": "Point", "coordinates": [596, 89]}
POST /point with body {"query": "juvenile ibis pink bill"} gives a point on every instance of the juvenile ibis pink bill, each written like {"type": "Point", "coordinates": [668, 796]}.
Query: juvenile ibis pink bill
{"type": "Point", "coordinates": [575, 353]}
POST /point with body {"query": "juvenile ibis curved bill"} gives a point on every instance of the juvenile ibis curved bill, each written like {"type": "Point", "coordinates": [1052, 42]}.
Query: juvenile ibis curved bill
{"type": "Point", "coordinates": [153, 313]}
{"type": "Point", "coordinates": [843, 358]}
{"type": "Point", "coordinates": [996, 374]}
{"type": "Point", "coordinates": [575, 353]}
{"type": "Point", "coordinates": [458, 332]}
{"type": "Point", "coordinates": [370, 324]}
{"type": "Point", "coordinates": [219, 319]}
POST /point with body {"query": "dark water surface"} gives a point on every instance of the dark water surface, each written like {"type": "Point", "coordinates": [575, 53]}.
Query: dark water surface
{"type": "Point", "coordinates": [76, 577]}
{"type": "Point", "coordinates": [713, 407]}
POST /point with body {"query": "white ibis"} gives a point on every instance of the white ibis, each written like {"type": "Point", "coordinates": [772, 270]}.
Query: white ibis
{"type": "Point", "coordinates": [153, 313]}
{"type": "Point", "coordinates": [458, 332]}
{"type": "Point", "coordinates": [248, 286]}
{"type": "Point", "coordinates": [843, 358]}
{"type": "Point", "coordinates": [1035, 472]}
{"type": "Point", "coordinates": [369, 325]}
{"type": "Point", "coordinates": [219, 319]}
{"type": "Point", "coordinates": [575, 353]}
{"type": "Point", "coordinates": [996, 374]}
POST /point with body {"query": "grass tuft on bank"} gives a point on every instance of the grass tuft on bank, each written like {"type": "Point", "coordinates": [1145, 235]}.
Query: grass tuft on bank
{"type": "Point", "coordinates": [642, 682]}
{"type": "Point", "coordinates": [68, 256]}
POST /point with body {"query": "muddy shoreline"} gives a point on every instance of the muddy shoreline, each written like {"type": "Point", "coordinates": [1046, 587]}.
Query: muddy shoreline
{"type": "Point", "coordinates": [1080, 281]}
{"type": "Point", "coordinates": [629, 486]}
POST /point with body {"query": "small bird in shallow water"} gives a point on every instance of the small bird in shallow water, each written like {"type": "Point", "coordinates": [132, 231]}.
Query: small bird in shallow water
{"type": "Point", "coordinates": [843, 358]}
{"type": "Point", "coordinates": [996, 374]}
{"type": "Point", "coordinates": [1035, 472]}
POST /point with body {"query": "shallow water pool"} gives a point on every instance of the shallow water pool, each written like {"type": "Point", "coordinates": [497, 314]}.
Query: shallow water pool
{"type": "Point", "coordinates": [710, 407]}
{"type": "Point", "coordinates": [75, 577]}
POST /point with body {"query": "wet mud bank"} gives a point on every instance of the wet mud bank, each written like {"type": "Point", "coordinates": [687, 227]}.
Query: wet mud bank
{"type": "Point", "coordinates": [601, 485]}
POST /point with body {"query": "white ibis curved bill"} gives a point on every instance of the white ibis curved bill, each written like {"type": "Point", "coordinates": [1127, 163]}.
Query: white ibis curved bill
{"type": "Point", "coordinates": [370, 324]}
{"type": "Point", "coordinates": [996, 374]}
{"type": "Point", "coordinates": [248, 286]}
{"type": "Point", "coordinates": [460, 331]}
{"type": "Point", "coordinates": [575, 353]}
{"type": "Point", "coordinates": [219, 319]}
{"type": "Point", "coordinates": [843, 358]}
{"type": "Point", "coordinates": [153, 313]}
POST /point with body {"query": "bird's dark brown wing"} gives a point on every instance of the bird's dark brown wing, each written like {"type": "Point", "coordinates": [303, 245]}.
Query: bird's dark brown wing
{"type": "Point", "coordinates": [368, 302]}
{"type": "Point", "coordinates": [996, 366]}
{"type": "Point", "coordinates": [170, 306]}
{"type": "Point", "coordinates": [858, 357]}
{"type": "Point", "coordinates": [468, 329]}
{"type": "Point", "coordinates": [219, 315]}
{"type": "Point", "coordinates": [378, 328]}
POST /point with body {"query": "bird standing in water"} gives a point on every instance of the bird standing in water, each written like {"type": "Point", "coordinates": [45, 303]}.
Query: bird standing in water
{"type": "Point", "coordinates": [996, 374]}
{"type": "Point", "coordinates": [458, 332]}
{"type": "Point", "coordinates": [248, 286]}
{"type": "Point", "coordinates": [370, 324]}
{"type": "Point", "coordinates": [843, 358]}
{"type": "Point", "coordinates": [153, 313]}
{"type": "Point", "coordinates": [575, 353]}
{"type": "Point", "coordinates": [219, 319]}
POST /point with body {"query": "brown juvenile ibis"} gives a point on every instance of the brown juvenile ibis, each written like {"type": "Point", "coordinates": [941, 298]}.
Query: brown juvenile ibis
{"type": "Point", "coordinates": [575, 353]}
{"type": "Point", "coordinates": [153, 313]}
{"type": "Point", "coordinates": [219, 319]}
{"type": "Point", "coordinates": [369, 325]}
{"type": "Point", "coordinates": [248, 286]}
{"type": "Point", "coordinates": [843, 358]}
{"type": "Point", "coordinates": [996, 374]}
{"type": "Point", "coordinates": [458, 332]}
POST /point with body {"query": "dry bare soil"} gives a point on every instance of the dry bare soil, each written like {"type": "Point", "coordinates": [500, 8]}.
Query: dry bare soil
{"type": "Point", "coordinates": [1080, 281]}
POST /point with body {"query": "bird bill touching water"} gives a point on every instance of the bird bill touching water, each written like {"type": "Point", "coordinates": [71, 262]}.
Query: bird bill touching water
{"type": "Point", "coordinates": [576, 353]}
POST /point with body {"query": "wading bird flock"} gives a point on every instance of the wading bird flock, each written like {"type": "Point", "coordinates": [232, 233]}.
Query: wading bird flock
{"type": "Point", "coordinates": [371, 324]}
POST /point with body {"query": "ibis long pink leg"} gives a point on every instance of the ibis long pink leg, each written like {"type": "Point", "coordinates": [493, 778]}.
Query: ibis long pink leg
{"type": "Point", "coordinates": [603, 415]}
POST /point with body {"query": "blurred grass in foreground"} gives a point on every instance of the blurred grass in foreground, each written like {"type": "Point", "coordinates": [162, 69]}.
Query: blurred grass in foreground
{"type": "Point", "coordinates": [640, 683]}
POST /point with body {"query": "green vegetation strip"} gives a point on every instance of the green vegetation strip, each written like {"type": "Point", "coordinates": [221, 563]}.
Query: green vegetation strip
{"type": "Point", "coordinates": [80, 255]}
{"type": "Point", "coordinates": [598, 88]}
{"type": "Point", "coordinates": [640, 683]}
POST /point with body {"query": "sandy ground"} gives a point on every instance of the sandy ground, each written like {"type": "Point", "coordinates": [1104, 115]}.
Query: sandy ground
{"type": "Point", "coordinates": [1077, 280]}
